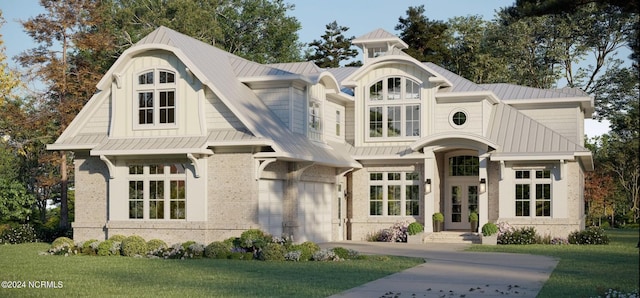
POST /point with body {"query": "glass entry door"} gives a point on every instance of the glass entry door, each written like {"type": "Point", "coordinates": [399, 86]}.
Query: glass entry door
{"type": "Point", "coordinates": [461, 199]}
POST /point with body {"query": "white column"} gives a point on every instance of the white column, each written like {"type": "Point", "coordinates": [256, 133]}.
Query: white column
{"type": "Point", "coordinates": [483, 198]}
{"type": "Point", "coordinates": [429, 197]}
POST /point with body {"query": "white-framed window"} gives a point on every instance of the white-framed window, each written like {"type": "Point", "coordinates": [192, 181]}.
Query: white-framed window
{"type": "Point", "coordinates": [394, 194]}
{"type": "Point", "coordinates": [157, 191]}
{"type": "Point", "coordinates": [394, 108]}
{"type": "Point", "coordinates": [458, 118]}
{"type": "Point", "coordinates": [156, 102]}
{"type": "Point", "coordinates": [533, 192]}
{"type": "Point", "coordinates": [338, 123]}
{"type": "Point", "coordinates": [315, 120]}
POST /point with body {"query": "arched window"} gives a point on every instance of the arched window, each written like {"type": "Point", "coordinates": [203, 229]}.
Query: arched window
{"type": "Point", "coordinates": [394, 108]}
{"type": "Point", "coordinates": [156, 98]}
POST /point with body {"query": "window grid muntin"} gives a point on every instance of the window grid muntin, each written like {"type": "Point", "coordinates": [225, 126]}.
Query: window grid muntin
{"type": "Point", "coordinates": [533, 191]}
{"type": "Point", "coordinates": [155, 86]}
{"type": "Point", "coordinates": [401, 117]}
{"type": "Point", "coordinates": [394, 193]}
{"type": "Point", "coordinates": [164, 191]}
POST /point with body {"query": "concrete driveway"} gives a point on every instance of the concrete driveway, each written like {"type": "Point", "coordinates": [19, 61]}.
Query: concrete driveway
{"type": "Point", "coordinates": [449, 271]}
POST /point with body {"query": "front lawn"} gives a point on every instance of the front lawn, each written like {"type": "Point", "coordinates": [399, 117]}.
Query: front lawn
{"type": "Point", "coordinates": [128, 276]}
{"type": "Point", "coordinates": [586, 270]}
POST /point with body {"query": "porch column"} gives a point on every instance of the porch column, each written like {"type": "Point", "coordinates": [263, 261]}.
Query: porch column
{"type": "Point", "coordinates": [483, 198]}
{"type": "Point", "coordinates": [429, 197]}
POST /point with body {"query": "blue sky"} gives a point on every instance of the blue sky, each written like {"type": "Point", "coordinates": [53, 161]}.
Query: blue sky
{"type": "Point", "coordinates": [361, 16]}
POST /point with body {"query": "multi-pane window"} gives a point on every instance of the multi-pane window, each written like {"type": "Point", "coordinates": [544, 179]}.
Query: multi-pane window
{"type": "Point", "coordinates": [464, 165]}
{"type": "Point", "coordinates": [315, 124]}
{"type": "Point", "coordinates": [156, 98]}
{"type": "Point", "coordinates": [533, 184]}
{"type": "Point", "coordinates": [394, 108]}
{"type": "Point", "coordinates": [394, 193]}
{"type": "Point", "coordinates": [157, 191]}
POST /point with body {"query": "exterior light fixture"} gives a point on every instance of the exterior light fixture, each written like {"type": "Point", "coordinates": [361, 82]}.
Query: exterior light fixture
{"type": "Point", "coordinates": [427, 186]}
{"type": "Point", "coordinates": [483, 185]}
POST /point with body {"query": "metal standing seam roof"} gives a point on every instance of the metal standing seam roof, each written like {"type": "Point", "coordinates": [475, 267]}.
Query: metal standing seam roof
{"type": "Point", "coordinates": [510, 91]}
{"type": "Point", "coordinates": [213, 66]}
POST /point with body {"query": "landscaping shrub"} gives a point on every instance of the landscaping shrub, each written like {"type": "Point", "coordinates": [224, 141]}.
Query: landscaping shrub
{"type": "Point", "coordinates": [239, 253]}
{"type": "Point", "coordinates": [155, 245]}
{"type": "Point", "coordinates": [592, 235]}
{"type": "Point", "coordinates": [254, 239]}
{"type": "Point", "coordinates": [62, 246]}
{"type": "Point", "coordinates": [186, 245]}
{"type": "Point", "coordinates": [293, 256]}
{"type": "Point", "coordinates": [23, 233]}
{"type": "Point", "coordinates": [134, 245]}
{"type": "Point", "coordinates": [559, 241]}
{"type": "Point", "coordinates": [346, 254]}
{"type": "Point", "coordinates": [218, 250]}
{"type": "Point", "coordinates": [396, 233]}
{"type": "Point", "coordinates": [118, 238]}
{"type": "Point", "coordinates": [109, 248]}
{"type": "Point", "coordinates": [272, 252]}
{"type": "Point", "coordinates": [489, 229]}
{"type": "Point", "coordinates": [325, 255]}
{"type": "Point", "coordinates": [194, 250]}
{"type": "Point", "coordinates": [90, 247]}
{"type": "Point", "coordinates": [415, 228]}
{"type": "Point", "coordinates": [176, 251]}
{"type": "Point", "coordinates": [524, 235]}
{"type": "Point", "coordinates": [307, 249]}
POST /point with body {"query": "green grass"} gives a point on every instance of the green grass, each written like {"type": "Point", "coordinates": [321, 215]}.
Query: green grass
{"type": "Point", "coordinates": [586, 270]}
{"type": "Point", "coordinates": [125, 276]}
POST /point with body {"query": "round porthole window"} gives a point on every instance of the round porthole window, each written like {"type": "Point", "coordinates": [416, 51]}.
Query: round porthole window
{"type": "Point", "coordinates": [459, 118]}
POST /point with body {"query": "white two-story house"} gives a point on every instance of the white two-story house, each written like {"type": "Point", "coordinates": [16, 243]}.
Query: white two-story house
{"type": "Point", "coordinates": [184, 141]}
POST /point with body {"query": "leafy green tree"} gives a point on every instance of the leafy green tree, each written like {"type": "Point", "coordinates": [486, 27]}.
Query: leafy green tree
{"type": "Point", "coordinates": [471, 55]}
{"type": "Point", "coordinates": [427, 39]}
{"type": "Point", "coordinates": [258, 30]}
{"type": "Point", "coordinates": [15, 201]}
{"type": "Point", "coordinates": [66, 60]}
{"type": "Point", "coordinates": [333, 48]}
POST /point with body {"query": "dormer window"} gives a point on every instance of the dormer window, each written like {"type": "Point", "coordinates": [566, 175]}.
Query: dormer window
{"type": "Point", "coordinates": [156, 98]}
{"type": "Point", "coordinates": [315, 121]}
{"type": "Point", "coordinates": [394, 108]}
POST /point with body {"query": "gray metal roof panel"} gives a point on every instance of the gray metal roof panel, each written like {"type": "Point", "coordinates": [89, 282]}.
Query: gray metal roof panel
{"type": "Point", "coordinates": [517, 133]}
{"type": "Point", "coordinates": [510, 91]}
{"type": "Point", "coordinates": [377, 34]}
{"type": "Point", "coordinates": [459, 83]}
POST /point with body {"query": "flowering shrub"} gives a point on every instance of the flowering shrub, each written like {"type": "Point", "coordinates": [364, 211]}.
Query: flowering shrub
{"type": "Point", "coordinates": [254, 239]}
{"type": "Point", "coordinates": [325, 255]}
{"type": "Point", "coordinates": [525, 235]}
{"type": "Point", "coordinates": [612, 293]}
{"type": "Point", "coordinates": [176, 251]}
{"type": "Point", "coordinates": [293, 256]}
{"type": "Point", "coordinates": [503, 228]}
{"type": "Point", "coordinates": [62, 246]}
{"type": "Point", "coordinates": [90, 247]}
{"type": "Point", "coordinates": [109, 248]}
{"type": "Point", "coordinates": [307, 249]}
{"type": "Point", "coordinates": [155, 245]}
{"type": "Point", "coordinates": [19, 234]}
{"type": "Point", "coordinates": [195, 251]}
{"type": "Point", "coordinates": [559, 241]}
{"type": "Point", "coordinates": [592, 235]}
{"type": "Point", "coordinates": [396, 233]}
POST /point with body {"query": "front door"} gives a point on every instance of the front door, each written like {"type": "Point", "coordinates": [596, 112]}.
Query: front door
{"type": "Point", "coordinates": [461, 199]}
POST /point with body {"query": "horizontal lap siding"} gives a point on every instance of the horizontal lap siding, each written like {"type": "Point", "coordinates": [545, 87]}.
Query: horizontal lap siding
{"type": "Point", "coordinates": [218, 114]}
{"type": "Point", "coordinates": [562, 120]}
{"type": "Point", "coordinates": [277, 100]}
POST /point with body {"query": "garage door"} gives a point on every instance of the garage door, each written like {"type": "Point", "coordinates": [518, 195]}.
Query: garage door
{"type": "Point", "coordinates": [314, 213]}
{"type": "Point", "coordinates": [270, 206]}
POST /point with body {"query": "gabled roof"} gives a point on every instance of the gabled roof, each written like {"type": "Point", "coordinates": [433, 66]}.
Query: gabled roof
{"type": "Point", "coordinates": [214, 68]}
{"type": "Point", "coordinates": [380, 36]}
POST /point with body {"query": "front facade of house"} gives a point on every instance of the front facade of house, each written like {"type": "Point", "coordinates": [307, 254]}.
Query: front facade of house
{"type": "Point", "coordinates": [187, 142]}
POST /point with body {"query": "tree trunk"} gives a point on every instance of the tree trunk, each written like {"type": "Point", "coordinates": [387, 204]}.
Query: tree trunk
{"type": "Point", "coordinates": [64, 182]}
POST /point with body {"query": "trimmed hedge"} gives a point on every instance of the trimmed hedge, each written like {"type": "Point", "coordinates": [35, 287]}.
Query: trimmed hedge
{"type": "Point", "coordinates": [134, 245]}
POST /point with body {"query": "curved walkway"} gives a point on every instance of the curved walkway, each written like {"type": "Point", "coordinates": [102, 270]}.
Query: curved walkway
{"type": "Point", "coordinates": [449, 271]}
